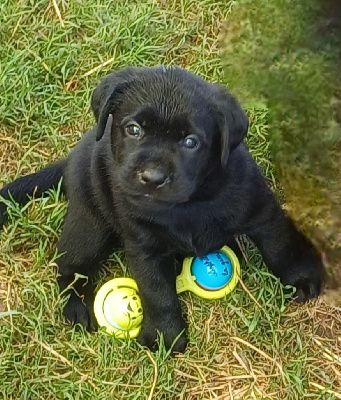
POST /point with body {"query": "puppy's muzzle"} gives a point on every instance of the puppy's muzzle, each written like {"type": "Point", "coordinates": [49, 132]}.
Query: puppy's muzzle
{"type": "Point", "coordinates": [153, 177]}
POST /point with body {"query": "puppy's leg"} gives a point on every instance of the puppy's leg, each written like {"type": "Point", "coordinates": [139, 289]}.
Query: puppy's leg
{"type": "Point", "coordinates": [84, 243]}
{"type": "Point", "coordinates": [35, 184]}
{"type": "Point", "coordinates": [285, 250]}
{"type": "Point", "coordinates": [232, 243]}
{"type": "Point", "coordinates": [154, 271]}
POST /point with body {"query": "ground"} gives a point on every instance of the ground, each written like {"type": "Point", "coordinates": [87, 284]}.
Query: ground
{"type": "Point", "coordinates": [254, 344]}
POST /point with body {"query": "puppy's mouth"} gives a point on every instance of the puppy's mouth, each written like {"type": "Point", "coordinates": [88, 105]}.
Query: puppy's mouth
{"type": "Point", "coordinates": [156, 197]}
{"type": "Point", "coordinates": [151, 197]}
{"type": "Point", "coordinates": [142, 194]}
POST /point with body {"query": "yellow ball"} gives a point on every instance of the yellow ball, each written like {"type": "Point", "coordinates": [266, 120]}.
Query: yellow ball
{"type": "Point", "coordinates": [122, 309]}
{"type": "Point", "coordinates": [118, 308]}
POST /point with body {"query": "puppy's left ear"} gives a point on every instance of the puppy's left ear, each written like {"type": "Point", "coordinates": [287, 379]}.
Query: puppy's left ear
{"type": "Point", "coordinates": [233, 121]}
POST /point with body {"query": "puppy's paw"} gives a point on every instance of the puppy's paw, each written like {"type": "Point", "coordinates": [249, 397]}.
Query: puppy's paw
{"type": "Point", "coordinates": [307, 287]}
{"type": "Point", "coordinates": [307, 277]}
{"type": "Point", "coordinates": [172, 330]}
{"type": "Point", "coordinates": [79, 310]}
{"type": "Point", "coordinates": [3, 215]}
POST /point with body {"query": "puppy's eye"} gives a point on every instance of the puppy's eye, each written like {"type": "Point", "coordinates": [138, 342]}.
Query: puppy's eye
{"type": "Point", "coordinates": [133, 130]}
{"type": "Point", "coordinates": [190, 142]}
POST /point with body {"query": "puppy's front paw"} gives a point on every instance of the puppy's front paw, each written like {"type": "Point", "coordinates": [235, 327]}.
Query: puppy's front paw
{"type": "Point", "coordinates": [172, 329]}
{"type": "Point", "coordinates": [307, 287]}
{"type": "Point", "coordinates": [79, 310]}
{"type": "Point", "coordinates": [306, 276]}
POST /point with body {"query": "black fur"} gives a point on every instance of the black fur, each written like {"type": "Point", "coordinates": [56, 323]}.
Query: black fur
{"type": "Point", "coordinates": [34, 184]}
{"type": "Point", "coordinates": [162, 199]}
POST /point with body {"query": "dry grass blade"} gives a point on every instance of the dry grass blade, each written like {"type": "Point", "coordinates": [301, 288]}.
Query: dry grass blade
{"type": "Point", "coordinates": [59, 15]}
{"type": "Point", "coordinates": [324, 389]}
{"type": "Point", "coordinates": [242, 284]}
{"type": "Point", "coordinates": [155, 375]}
{"type": "Point", "coordinates": [328, 354]}
{"type": "Point", "coordinates": [65, 361]}
{"type": "Point", "coordinates": [251, 346]}
{"type": "Point", "coordinates": [98, 67]}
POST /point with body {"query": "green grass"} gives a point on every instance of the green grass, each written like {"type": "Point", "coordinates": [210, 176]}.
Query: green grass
{"type": "Point", "coordinates": [239, 348]}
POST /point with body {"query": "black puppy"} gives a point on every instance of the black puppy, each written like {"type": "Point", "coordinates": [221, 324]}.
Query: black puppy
{"type": "Point", "coordinates": [164, 171]}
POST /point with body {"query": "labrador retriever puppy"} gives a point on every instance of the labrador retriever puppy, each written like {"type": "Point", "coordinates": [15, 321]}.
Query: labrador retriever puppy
{"type": "Point", "coordinates": [164, 172]}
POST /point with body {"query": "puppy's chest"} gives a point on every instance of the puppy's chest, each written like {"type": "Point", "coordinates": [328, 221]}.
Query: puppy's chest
{"type": "Point", "coordinates": [196, 236]}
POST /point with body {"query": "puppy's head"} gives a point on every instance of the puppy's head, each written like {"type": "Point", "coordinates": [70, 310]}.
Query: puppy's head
{"type": "Point", "coordinates": [170, 130]}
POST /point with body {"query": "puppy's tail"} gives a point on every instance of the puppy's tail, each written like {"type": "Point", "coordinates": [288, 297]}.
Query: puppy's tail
{"type": "Point", "coordinates": [34, 184]}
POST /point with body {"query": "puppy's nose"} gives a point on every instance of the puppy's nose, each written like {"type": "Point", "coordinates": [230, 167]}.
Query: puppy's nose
{"type": "Point", "coordinates": [153, 176]}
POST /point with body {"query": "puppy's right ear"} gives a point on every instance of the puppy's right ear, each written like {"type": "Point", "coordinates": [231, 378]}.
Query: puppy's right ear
{"type": "Point", "coordinates": [108, 94]}
{"type": "Point", "coordinates": [107, 110]}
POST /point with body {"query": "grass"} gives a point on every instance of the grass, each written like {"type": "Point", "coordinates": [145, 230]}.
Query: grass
{"type": "Point", "coordinates": [278, 52]}
{"type": "Point", "coordinates": [239, 348]}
